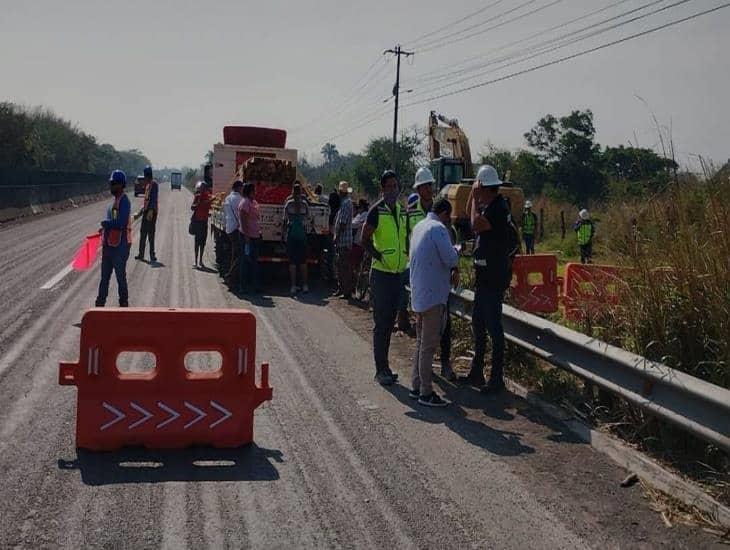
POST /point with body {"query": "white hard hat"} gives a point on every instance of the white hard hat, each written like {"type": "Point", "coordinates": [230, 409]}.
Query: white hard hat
{"type": "Point", "coordinates": [528, 204]}
{"type": "Point", "coordinates": [198, 185]}
{"type": "Point", "coordinates": [423, 175]}
{"type": "Point", "coordinates": [584, 215]}
{"type": "Point", "coordinates": [487, 176]}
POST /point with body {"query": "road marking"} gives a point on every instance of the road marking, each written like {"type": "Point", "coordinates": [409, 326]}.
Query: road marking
{"type": "Point", "coordinates": [222, 409]}
{"type": "Point", "coordinates": [57, 278]}
{"type": "Point", "coordinates": [119, 415]}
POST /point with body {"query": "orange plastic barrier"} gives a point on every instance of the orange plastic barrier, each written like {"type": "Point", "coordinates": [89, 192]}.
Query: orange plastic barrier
{"type": "Point", "coordinates": [535, 283]}
{"type": "Point", "coordinates": [591, 289]}
{"type": "Point", "coordinates": [168, 406]}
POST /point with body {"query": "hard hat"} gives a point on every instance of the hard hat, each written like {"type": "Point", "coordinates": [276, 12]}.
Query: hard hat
{"type": "Point", "coordinates": [199, 185]}
{"type": "Point", "coordinates": [423, 175]}
{"type": "Point", "coordinates": [528, 204]}
{"type": "Point", "coordinates": [412, 200]}
{"type": "Point", "coordinates": [488, 177]}
{"type": "Point", "coordinates": [387, 175]}
{"type": "Point", "coordinates": [345, 187]}
{"type": "Point", "coordinates": [118, 177]}
{"type": "Point", "coordinates": [584, 215]}
{"type": "Point", "coordinates": [147, 171]}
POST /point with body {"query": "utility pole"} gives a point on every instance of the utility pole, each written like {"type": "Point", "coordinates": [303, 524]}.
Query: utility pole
{"type": "Point", "coordinates": [397, 51]}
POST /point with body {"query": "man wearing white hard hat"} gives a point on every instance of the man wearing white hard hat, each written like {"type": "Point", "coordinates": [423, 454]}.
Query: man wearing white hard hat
{"type": "Point", "coordinates": [585, 230]}
{"type": "Point", "coordinates": [343, 241]}
{"type": "Point", "coordinates": [491, 222]}
{"type": "Point", "coordinates": [529, 225]}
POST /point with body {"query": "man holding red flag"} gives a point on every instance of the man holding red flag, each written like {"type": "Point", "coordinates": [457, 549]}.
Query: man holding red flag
{"type": "Point", "coordinates": [116, 240]}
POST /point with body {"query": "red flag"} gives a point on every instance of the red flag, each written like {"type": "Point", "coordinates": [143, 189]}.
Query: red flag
{"type": "Point", "coordinates": [86, 254]}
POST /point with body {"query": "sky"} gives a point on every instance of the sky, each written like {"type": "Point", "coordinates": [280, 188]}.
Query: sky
{"type": "Point", "coordinates": [166, 76]}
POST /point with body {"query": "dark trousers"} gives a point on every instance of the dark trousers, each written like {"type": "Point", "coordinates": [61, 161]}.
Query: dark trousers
{"type": "Point", "coordinates": [201, 236]}
{"type": "Point", "coordinates": [249, 263]}
{"type": "Point", "coordinates": [344, 270]}
{"type": "Point", "coordinates": [405, 280]}
{"type": "Point", "coordinates": [446, 339]}
{"type": "Point", "coordinates": [487, 318]}
{"type": "Point", "coordinates": [113, 260]}
{"type": "Point", "coordinates": [234, 241]}
{"type": "Point", "coordinates": [586, 253]}
{"type": "Point", "coordinates": [385, 292]}
{"type": "Point", "coordinates": [529, 244]}
{"type": "Point", "coordinates": [147, 231]}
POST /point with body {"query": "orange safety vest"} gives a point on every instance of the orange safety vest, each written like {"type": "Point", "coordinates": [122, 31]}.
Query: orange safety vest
{"type": "Point", "coordinates": [113, 237]}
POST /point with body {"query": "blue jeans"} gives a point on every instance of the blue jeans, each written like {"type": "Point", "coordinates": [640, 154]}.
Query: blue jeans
{"type": "Point", "coordinates": [114, 260]}
{"type": "Point", "coordinates": [250, 264]}
{"type": "Point", "coordinates": [529, 244]}
{"type": "Point", "coordinates": [385, 291]}
{"type": "Point", "coordinates": [487, 318]}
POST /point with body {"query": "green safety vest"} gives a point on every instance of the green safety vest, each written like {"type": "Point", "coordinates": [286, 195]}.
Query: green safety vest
{"type": "Point", "coordinates": [389, 238]}
{"type": "Point", "coordinates": [413, 216]}
{"type": "Point", "coordinates": [529, 221]}
{"type": "Point", "coordinates": [585, 233]}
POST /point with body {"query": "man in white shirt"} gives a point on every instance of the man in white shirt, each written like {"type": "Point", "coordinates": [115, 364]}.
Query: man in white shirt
{"type": "Point", "coordinates": [433, 259]}
{"type": "Point", "coordinates": [230, 213]}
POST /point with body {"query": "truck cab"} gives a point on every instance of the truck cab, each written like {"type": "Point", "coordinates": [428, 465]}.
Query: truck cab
{"type": "Point", "coordinates": [176, 180]}
{"type": "Point", "coordinates": [139, 186]}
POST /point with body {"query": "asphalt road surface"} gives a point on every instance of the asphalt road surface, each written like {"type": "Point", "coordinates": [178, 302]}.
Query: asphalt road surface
{"type": "Point", "coordinates": [338, 461]}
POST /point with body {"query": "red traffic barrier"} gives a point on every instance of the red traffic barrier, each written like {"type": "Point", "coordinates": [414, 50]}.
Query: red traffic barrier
{"type": "Point", "coordinates": [535, 283]}
{"type": "Point", "coordinates": [86, 254]}
{"type": "Point", "coordinates": [591, 289]}
{"type": "Point", "coordinates": [168, 406]}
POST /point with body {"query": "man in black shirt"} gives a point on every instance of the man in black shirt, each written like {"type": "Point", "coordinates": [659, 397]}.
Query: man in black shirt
{"type": "Point", "coordinates": [490, 221]}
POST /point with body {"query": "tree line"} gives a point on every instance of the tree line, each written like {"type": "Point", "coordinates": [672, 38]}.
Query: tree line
{"type": "Point", "coordinates": [561, 159]}
{"type": "Point", "coordinates": [37, 138]}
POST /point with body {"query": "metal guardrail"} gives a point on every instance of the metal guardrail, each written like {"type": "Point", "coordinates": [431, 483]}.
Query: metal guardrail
{"type": "Point", "coordinates": [700, 408]}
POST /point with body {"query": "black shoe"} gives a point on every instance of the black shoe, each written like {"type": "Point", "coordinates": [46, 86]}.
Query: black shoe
{"type": "Point", "coordinates": [139, 257]}
{"type": "Point", "coordinates": [99, 304]}
{"type": "Point", "coordinates": [414, 394]}
{"type": "Point", "coordinates": [125, 304]}
{"type": "Point", "coordinates": [447, 373]}
{"type": "Point", "coordinates": [153, 259]}
{"type": "Point", "coordinates": [472, 379]}
{"type": "Point", "coordinates": [384, 379]}
{"type": "Point", "coordinates": [493, 388]}
{"type": "Point", "coordinates": [392, 374]}
{"type": "Point", "coordinates": [432, 400]}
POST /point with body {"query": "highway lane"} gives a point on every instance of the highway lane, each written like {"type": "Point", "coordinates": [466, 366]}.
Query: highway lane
{"type": "Point", "coordinates": [338, 461]}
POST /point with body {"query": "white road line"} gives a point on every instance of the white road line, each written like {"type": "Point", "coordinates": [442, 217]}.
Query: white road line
{"type": "Point", "coordinates": [57, 278]}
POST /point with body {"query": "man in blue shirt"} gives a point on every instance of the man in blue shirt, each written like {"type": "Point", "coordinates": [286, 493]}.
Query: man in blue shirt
{"type": "Point", "coordinates": [432, 259]}
{"type": "Point", "coordinates": [116, 231]}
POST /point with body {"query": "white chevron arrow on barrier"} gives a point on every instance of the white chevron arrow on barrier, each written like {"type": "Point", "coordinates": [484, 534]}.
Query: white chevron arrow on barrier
{"type": "Point", "coordinates": [201, 414]}
{"type": "Point", "coordinates": [146, 415]}
{"type": "Point", "coordinates": [118, 415]}
{"type": "Point", "coordinates": [174, 415]}
{"type": "Point", "coordinates": [220, 408]}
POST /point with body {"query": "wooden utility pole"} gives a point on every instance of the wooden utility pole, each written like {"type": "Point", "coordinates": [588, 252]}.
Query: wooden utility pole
{"type": "Point", "coordinates": [398, 52]}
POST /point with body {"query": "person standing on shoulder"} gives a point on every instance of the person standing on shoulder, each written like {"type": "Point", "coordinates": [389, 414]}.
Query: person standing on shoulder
{"type": "Point", "coordinates": [199, 221]}
{"type": "Point", "coordinates": [384, 237]}
{"type": "Point", "coordinates": [585, 231]}
{"type": "Point", "coordinates": [432, 259]}
{"type": "Point", "coordinates": [149, 215]}
{"type": "Point", "coordinates": [116, 233]}
{"type": "Point", "coordinates": [490, 222]}
{"type": "Point", "coordinates": [343, 241]}
{"type": "Point", "coordinates": [250, 229]}
{"type": "Point", "coordinates": [296, 213]}
{"type": "Point", "coordinates": [529, 225]}
{"type": "Point", "coordinates": [230, 213]}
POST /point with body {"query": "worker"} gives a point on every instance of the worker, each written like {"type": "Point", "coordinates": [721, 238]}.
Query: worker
{"type": "Point", "coordinates": [149, 215]}
{"type": "Point", "coordinates": [490, 221]}
{"type": "Point", "coordinates": [334, 204]}
{"type": "Point", "coordinates": [250, 229]}
{"type": "Point", "coordinates": [529, 224]}
{"type": "Point", "coordinates": [343, 242]}
{"type": "Point", "coordinates": [585, 230]}
{"type": "Point", "coordinates": [384, 237]}
{"type": "Point", "coordinates": [230, 213]}
{"type": "Point", "coordinates": [199, 221]}
{"type": "Point", "coordinates": [116, 231]}
{"type": "Point", "coordinates": [318, 190]}
{"type": "Point", "coordinates": [432, 259]}
{"type": "Point", "coordinates": [296, 214]}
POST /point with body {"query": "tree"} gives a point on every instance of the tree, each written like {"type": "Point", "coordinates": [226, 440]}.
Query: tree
{"type": "Point", "coordinates": [330, 153]}
{"type": "Point", "coordinates": [501, 159]}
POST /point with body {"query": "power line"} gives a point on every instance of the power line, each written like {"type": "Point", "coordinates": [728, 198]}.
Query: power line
{"type": "Point", "coordinates": [572, 56]}
{"type": "Point", "coordinates": [511, 58]}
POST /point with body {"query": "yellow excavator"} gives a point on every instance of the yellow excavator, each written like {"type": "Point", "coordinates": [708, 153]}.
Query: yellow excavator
{"type": "Point", "coordinates": [452, 168]}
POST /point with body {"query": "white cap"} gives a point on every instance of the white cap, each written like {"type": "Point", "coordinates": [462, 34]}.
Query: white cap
{"type": "Point", "coordinates": [198, 185]}
{"type": "Point", "coordinates": [423, 176]}
{"type": "Point", "coordinates": [344, 186]}
{"type": "Point", "coordinates": [487, 176]}
{"type": "Point", "coordinates": [528, 204]}
{"type": "Point", "coordinates": [584, 215]}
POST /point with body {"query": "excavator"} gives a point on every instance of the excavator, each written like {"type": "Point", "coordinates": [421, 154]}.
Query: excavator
{"type": "Point", "coordinates": [452, 168]}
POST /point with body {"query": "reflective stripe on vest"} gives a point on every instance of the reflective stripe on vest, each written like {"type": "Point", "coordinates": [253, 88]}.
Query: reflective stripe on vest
{"type": "Point", "coordinates": [528, 223]}
{"type": "Point", "coordinates": [113, 237]}
{"type": "Point", "coordinates": [389, 238]}
{"type": "Point", "coordinates": [585, 232]}
{"type": "Point", "coordinates": [413, 216]}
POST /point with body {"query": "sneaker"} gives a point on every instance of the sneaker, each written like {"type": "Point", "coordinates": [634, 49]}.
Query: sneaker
{"type": "Point", "coordinates": [432, 400]}
{"type": "Point", "coordinates": [493, 388]}
{"type": "Point", "coordinates": [153, 259]}
{"type": "Point", "coordinates": [472, 379]}
{"type": "Point", "coordinates": [393, 375]}
{"type": "Point", "coordinates": [384, 379]}
{"type": "Point", "coordinates": [414, 394]}
{"type": "Point", "coordinates": [139, 257]}
{"type": "Point", "coordinates": [448, 373]}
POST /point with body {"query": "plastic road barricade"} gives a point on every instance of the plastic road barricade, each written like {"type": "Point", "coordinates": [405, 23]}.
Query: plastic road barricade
{"type": "Point", "coordinates": [535, 283]}
{"type": "Point", "coordinates": [171, 404]}
{"type": "Point", "coordinates": [590, 289]}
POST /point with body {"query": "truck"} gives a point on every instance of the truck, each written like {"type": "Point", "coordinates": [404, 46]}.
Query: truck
{"type": "Point", "coordinates": [259, 155]}
{"type": "Point", "coordinates": [453, 170]}
{"type": "Point", "coordinates": [176, 180]}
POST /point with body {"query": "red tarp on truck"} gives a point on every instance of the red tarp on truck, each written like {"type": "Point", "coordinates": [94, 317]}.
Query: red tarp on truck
{"type": "Point", "coordinates": [254, 136]}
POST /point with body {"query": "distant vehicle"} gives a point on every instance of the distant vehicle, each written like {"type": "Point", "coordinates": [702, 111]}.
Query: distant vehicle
{"type": "Point", "coordinates": [176, 180]}
{"type": "Point", "coordinates": [139, 186]}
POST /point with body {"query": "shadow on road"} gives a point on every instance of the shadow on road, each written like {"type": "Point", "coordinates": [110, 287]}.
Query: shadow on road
{"type": "Point", "coordinates": [139, 465]}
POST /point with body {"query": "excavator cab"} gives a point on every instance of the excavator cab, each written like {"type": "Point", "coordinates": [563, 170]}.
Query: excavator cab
{"type": "Point", "coordinates": [447, 171]}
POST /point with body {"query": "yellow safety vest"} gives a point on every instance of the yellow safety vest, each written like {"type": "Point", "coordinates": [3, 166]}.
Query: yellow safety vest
{"type": "Point", "coordinates": [389, 238]}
